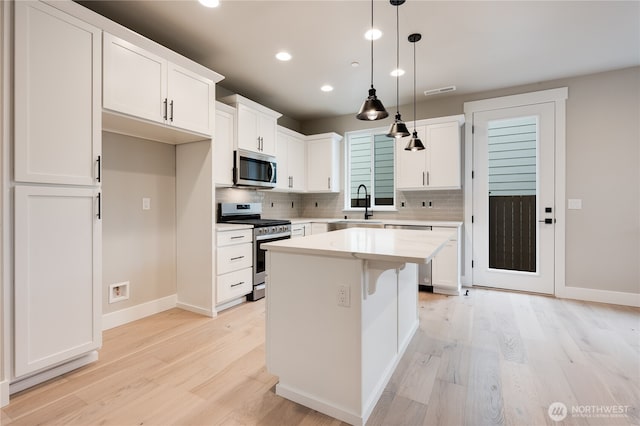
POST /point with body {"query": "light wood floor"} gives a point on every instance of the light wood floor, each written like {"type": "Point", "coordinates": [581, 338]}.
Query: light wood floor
{"type": "Point", "coordinates": [489, 358]}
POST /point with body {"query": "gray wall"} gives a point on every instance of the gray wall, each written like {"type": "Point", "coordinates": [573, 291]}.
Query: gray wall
{"type": "Point", "coordinates": [602, 169]}
{"type": "Point", "coordinates": [139, 246]}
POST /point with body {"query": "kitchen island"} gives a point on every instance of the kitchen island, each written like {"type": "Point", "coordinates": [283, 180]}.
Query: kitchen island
{"type": "Point", "coordinates": [341, 310]}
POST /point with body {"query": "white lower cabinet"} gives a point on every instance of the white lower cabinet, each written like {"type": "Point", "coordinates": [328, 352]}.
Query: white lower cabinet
{"type": "Point", "coordinates": [300, 229]}
{"type": "Point", "coordinates": [234, 264]}
{"type": "Point", "coordinates": [445, 273]}
{"type": "Point", "coordinates": [234, 284]}
{"type": "Point", "coordinates": [58, 259]}
{"type": "Point", "coordinates": [234, 257]}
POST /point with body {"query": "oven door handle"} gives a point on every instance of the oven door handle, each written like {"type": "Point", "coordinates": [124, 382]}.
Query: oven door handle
{"type": "Point", "coordinates": [273, 236]}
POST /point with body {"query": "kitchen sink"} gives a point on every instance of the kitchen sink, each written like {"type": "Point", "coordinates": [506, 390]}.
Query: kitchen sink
{"type": "Point", "coordinates": [344, 224]}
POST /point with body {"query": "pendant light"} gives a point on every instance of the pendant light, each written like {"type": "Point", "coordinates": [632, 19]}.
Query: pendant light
{"type": "Point", "coordinates": [372, 108]}
{"type": "Point", "coordinates": [414, 144]}
{"type": "Point", "coordinates": [398, 128]}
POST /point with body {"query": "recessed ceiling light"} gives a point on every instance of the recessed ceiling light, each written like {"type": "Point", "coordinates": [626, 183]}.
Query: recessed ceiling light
{"type": "Point", "coordinates": [210, 3]}
{"type": "Point", "coordinates": [326, 88]}
{"type": "Point", "coordinates": [283, 56]}
{"type": "Point", "coordinates": [373, 34]}
{"type": "Point", "coordinates": [397, 73]}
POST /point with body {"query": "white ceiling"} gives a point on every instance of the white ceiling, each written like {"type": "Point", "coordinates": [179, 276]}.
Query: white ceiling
{"type": "Point", "coordinates": [474, 45]}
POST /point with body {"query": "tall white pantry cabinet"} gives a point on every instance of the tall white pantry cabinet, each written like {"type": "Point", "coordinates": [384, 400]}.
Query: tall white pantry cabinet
{"type": "Point", "coordinates": [57, 191]}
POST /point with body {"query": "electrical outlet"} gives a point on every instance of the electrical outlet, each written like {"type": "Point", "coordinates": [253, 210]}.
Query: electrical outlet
{"type": "Point", "coordinates": [430, 204]}
{"type": "Point", "coordinates": [344, 296]}
{"type": "Point", "coordinates": [146, 204]}
{"type": "Point", "coordinates": [118, 292]}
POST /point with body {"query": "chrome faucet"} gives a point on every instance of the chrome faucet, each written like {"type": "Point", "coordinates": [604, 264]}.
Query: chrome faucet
{"type": "Point", "coordinates": [367, 201]}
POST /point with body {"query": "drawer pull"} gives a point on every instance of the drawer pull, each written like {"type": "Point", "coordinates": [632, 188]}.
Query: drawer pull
{"type": "Point", "coordinates": [237, 236]}
{"type": "Point", "coordinates": [237, 284]}
{"type": "Point", "coordinates": [237, 258]}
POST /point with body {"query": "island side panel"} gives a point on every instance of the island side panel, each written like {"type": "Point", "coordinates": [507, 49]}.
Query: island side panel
{"type": "Point", "coordinates": [313, 344]}
{"type": "Point", "coordinates": [407, 305]}
{"type": "Point", "coordinates": [389, 321]}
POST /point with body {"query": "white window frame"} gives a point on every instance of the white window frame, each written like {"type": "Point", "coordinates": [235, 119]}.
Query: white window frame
{"type": "Point", "coordinates": [347, 174]}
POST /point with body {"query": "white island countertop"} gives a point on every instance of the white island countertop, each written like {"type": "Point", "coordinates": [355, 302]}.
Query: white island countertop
{"type": "Point", "coordinates": [397, 245]}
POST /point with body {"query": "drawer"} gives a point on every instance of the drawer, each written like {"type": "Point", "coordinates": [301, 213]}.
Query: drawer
{"type": "Point", "coordinates": [233, 258]}
{"type": "Point", "coordinates": [227, 238]}
{"type": "Point", "coordinates": [234, 284]}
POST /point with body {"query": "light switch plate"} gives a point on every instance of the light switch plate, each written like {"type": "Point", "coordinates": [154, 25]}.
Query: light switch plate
{"type": "Point", "coordinates": [146, 204]}
{"type": "Point", "coordinates": [574, 204]}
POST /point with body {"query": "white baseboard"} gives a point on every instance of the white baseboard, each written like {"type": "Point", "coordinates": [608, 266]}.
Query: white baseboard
{"type": "Point", "coordinates": [114, 319]}
{"type": "Point", "coordinates": [602, 296]}
{"type": "Point", "coordinates": [196, 309]}
{"type": "Point", "coordinates": [4, 393]}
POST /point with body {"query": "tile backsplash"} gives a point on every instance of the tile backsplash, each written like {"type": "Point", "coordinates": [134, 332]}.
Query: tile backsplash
{"type": "Point", "coordinates": [445, 205]}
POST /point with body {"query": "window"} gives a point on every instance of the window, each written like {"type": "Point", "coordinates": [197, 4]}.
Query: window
{"type": "Point", "coordinates": [370, 162]}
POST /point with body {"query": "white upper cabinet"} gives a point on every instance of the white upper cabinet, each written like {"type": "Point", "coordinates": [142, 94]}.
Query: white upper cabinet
{"type": "Point", "coordinates": [438, 166]}
{"type": "Point", "coordinates": [411, 165]}
{"type": "Point", "coordinates": [255, 125]}
{"type": "Point", "coordinates": [323, 162]}
{"type": "Point", "coordinates": [57, 102]}
{"type": "Point", "coordinates": [291, 161]}
{"type": "Point", "coordinates": [223, 144]}
{"type": "Point", "coordinates": [191, 100]}
{"type": "Point", "coordinates": [144, 85]}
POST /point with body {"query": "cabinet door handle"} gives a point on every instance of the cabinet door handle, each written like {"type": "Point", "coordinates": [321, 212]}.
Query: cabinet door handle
{"type": "Point", "coordinates": [237, 258]}
{"type": "Point", "coordinates": [99, 170]}
{"type": "Point", "coordinates": [164, 116]}
{"type": "Point", "coordinates": [329, 182]}
{"type": "Point", "coordinates": [290, 181]}
{"type": "Point", "coordinates": [236, 237]}
{"type": "Point", "coordinates": [427, 178]}
{"type": "Point", "coordinates": [171, 116]}
{"type": "Point", "coordinates": [99, 206]}
{"type": "Point", "coordinates": [258, 143]}
{"type": "Point", "coordinates": [237, 284]}
{"type": "Point", "coordinates": [422, 178]}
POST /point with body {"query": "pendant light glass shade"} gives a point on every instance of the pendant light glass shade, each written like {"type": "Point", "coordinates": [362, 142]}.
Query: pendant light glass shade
{"type": "Point", "coordinates": [372, 108]}
{"type": "Point", "coordinates": [398, 128]}
{"type": "Point", "coordinates": [415, 144]}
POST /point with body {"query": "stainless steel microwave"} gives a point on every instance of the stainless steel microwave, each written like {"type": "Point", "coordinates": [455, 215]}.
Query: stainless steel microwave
{"type": "Point", "coordinates": [254, 169]}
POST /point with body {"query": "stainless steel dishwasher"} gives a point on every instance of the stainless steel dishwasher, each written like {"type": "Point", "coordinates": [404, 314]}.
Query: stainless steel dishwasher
{"type": "Point", "coordinates": [424, 269]}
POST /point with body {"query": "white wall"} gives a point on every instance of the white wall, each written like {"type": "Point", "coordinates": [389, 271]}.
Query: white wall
{"type": "Point", "coordinates": [139, 246]}
{"type": "Point", "coordinates": [603, 169]}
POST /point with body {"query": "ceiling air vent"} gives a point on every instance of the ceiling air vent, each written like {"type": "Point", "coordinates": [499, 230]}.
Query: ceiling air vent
{"type": "Point", "coordinates": [439, 91]}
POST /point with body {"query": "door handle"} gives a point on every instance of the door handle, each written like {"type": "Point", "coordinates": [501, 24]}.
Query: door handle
{"type": "Point", "coordinates": [171, 116]}
{"type": "Point", "coordinates": [99, 168]}
{"type": "Point", "coordinates": [99, 206]}
{"type": "Point", "coordinates": [548, 221]}
{"type": "Point", "coordinates": [164, 116]}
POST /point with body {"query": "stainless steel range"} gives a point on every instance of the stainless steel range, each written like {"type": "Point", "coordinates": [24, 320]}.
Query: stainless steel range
{"type": "Point", "coordinates": [264, 231]}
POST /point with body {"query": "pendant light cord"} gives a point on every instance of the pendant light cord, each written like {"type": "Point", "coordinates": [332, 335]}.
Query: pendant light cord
{"type": "Point", "coordinates": [398, 59]}
{"type": "Point", "coordinates": [371, 35]}
{"type": "Point", "coordinates": [414, 85]}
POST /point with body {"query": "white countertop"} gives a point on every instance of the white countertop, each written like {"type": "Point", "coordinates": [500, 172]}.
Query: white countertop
{"type": "Point", "coordinates": [442, 223]}
{"type": "Point", "coordinates": [232, 226]}
{"type": "Point", "coordinates": [397, 245]}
